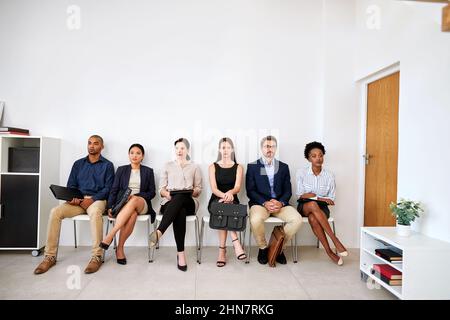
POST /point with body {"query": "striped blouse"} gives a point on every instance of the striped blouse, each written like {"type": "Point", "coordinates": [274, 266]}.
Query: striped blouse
{"type": "Point", "coordinates": [323, 185]}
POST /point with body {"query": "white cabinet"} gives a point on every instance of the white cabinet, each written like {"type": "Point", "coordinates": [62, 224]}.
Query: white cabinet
{"type": "Point", "coordinates": [425, 262]}
{"type": "Point", "coordinates": [28, 165]}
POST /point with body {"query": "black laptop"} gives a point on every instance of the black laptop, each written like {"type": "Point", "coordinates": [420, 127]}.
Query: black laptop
{"type": "Point", "coordinates": [64, 193]}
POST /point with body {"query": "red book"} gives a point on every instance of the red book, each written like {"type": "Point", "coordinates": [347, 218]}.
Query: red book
{"type": "Point", "coordinates": [388, 271]}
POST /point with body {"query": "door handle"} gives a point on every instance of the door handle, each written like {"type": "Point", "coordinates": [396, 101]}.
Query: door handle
{"type": "Point", "coordinates": [366, 157]}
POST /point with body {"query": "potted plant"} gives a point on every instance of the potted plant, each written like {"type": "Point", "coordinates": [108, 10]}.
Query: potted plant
{"type": "Point", "coordinates": [405, 211]}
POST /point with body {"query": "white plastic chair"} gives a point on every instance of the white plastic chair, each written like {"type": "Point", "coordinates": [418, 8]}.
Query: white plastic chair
{"type": "Point", "coordinates": [205, 219]}
{"type": "Point", "coordinates": [189, 218]}
{"type": "Point", "coordinates": [305, 220]}
{"type": "Point", "coordinates": [140, 218]}
{"type": "Point", "coordinates": [80, 217]}
{"type": "Point", "coordinates": [293, 240]}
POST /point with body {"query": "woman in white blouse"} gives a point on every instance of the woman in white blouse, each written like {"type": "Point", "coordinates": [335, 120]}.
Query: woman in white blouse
{"type": "Point", "coordinates": [316, 191]}
{"type": "Point", "coordinates": [180, 185]}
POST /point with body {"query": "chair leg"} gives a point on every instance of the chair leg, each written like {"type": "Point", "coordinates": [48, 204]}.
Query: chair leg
{"type": "Point", "coordinates": [202, 231]}
{"type": "Point", "coordinates": [75, 232]}
{"type": "Point", "coordinates": [334, 229]}
{"type": "Point", "coordinates": [249, 243]}
{"type": "Point", "coordinates": [57, 247]}
{"type": "Point", "coordinates": [115, 241]}
{"type": "Point", "coordinates": [152, 251]}
{"type": "Point", "coordinates": [148, 239]}
{"type": "Point", "coordinates": [156, 227]}
{"type": "Point", "coordinates": [296, 248]}
{"type": "Point", "coordinates": [107, 230]}
{"type": "Point", "coordinates": [197, 239]}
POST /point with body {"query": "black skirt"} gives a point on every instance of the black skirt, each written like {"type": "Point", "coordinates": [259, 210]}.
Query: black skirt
{"type": "Point", "coordinates": [322, 205]}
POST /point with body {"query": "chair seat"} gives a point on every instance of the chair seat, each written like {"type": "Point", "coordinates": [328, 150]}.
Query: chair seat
{"type": "Point", "coordinates": [141, 217]}
{"type": "Point", "coordinates": [81, 217]}
{"type": "Point", "coordinates": [190, 218]}
{"type": "Point", "coordinates": [305, 219]}
{"type": "Point", "coordinates": [273, 220]}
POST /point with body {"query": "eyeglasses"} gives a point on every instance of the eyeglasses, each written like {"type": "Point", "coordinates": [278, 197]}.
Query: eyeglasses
{"type": "Point", "coordinates": [269, 147]}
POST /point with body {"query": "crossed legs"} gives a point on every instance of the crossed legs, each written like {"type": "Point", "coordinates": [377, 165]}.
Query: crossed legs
{"type": "Point", "coordinates": [125, 221]}
{"type": "Point", "coordinates": [321, 228]}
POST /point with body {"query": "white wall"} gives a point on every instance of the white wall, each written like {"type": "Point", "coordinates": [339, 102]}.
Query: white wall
{"type": "Point", "coordinates": [410, 34]}
{"type": "Point", "coordinates": [151, 71]}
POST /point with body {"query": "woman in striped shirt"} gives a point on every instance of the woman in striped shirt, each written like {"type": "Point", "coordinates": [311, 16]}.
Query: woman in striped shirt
{"type": "Point", "coordinates": [316, 191]}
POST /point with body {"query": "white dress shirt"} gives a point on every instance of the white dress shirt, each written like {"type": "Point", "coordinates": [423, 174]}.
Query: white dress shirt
{"type": "Point", "coordinates": [270, 170]}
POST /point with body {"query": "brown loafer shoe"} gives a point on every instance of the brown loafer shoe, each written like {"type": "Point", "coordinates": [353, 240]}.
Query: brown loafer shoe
{"type": "Point", "coordinates": [93, 265]}
{"type": "Point", "coordinates": [47, 263]}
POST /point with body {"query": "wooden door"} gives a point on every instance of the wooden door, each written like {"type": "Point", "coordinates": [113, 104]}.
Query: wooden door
{"type": "Point", "coordinates": [381, 150]}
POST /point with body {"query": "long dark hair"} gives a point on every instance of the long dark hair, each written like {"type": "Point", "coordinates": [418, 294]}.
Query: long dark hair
{"type": "Point", "coordinates": [233, 155]}
{"type": "Point", "coordinates": [186, 143]}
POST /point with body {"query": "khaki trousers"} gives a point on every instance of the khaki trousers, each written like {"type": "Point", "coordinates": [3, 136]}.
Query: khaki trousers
{"type": "Point", "coordinates": [65, 210]}
{"type": "Point", "coordinates": [258, 214]}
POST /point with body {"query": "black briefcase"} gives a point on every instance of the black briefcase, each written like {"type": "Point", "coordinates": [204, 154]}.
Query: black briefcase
{"type": "Point", "coordinates": [228, 216]}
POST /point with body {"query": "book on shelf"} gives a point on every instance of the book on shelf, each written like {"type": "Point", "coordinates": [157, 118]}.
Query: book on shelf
{"type": "Point", "coordinates": [388, 271]}
{"type": "Point", "coordinates": [388, 254]}
{"type": "Point", "coordinates": [5, 133]}
{"type": "Point", "coordinates": [11, 129]}
{"type": "Point", "coordinates": [391, 282]}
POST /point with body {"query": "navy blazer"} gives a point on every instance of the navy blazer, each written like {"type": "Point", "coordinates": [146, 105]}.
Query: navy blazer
{"type": "Point", "coordinates": [122, 180]}
{"type": "Point", "coordinates": [258, 186]}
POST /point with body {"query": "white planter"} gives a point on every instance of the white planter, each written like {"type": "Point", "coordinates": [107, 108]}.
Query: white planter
{"type": "Point", "coordinates": [403, 230]}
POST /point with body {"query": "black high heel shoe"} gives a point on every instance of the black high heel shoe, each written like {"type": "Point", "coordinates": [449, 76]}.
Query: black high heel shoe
{"type": "Point", "coordinates": [104, 246]}
{"type": "Point", "coordinates": [182, 268]}
{"type": "Point", "coordinates": [122, 261]}
{"type": "Point", "coordinates": [242, 256]}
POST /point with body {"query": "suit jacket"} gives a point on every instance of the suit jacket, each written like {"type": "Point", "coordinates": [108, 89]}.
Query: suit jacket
{"type": "Point", "coordinates": [147, 189]}
{"type": "Point", "coordinates": [258, 186]}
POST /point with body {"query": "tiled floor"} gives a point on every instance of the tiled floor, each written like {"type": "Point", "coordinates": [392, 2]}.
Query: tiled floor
{"type": "Point", "coordinates": [313, 277]}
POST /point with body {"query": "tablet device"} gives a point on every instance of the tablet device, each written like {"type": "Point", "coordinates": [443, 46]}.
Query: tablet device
{"type": "Point", "coordinates": [174, 192]}
{"type": "Point", "coordinates": [64, 193]}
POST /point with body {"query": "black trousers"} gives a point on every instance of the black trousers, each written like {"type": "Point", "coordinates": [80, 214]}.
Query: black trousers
{"type": "Point", "coordinates": [175, 211]}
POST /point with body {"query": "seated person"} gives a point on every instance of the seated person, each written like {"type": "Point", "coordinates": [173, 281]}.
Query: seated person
{"type": "Point", "coordinates": [318, 183]}
{"type": "Point", "coordinates": [268, 184]}
{"type": "Point", "coordinates": [179, 175]}
{"type": "Point", "coordinates": [93, 176]}
{"type": "Point", "coordinates": [225, 177]}
{"type": "Point", "coordinates": [141, 180]}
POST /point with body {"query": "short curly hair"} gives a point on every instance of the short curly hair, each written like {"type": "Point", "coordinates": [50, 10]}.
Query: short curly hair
{"type": "Point", "coordinates": [313, 145]}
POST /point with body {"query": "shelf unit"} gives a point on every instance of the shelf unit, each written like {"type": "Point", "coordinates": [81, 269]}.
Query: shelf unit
{"type": "Point", "coordinates": [25, 197]}
{"type": "Point", "coordinates": [424, 267]}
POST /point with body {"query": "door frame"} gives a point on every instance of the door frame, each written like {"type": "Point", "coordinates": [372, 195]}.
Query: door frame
{"type": "Point", "coordinates": [363, 84]}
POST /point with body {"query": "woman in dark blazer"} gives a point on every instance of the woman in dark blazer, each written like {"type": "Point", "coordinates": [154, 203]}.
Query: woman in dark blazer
{"type": "Point", "coordinates": [141, 180]}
